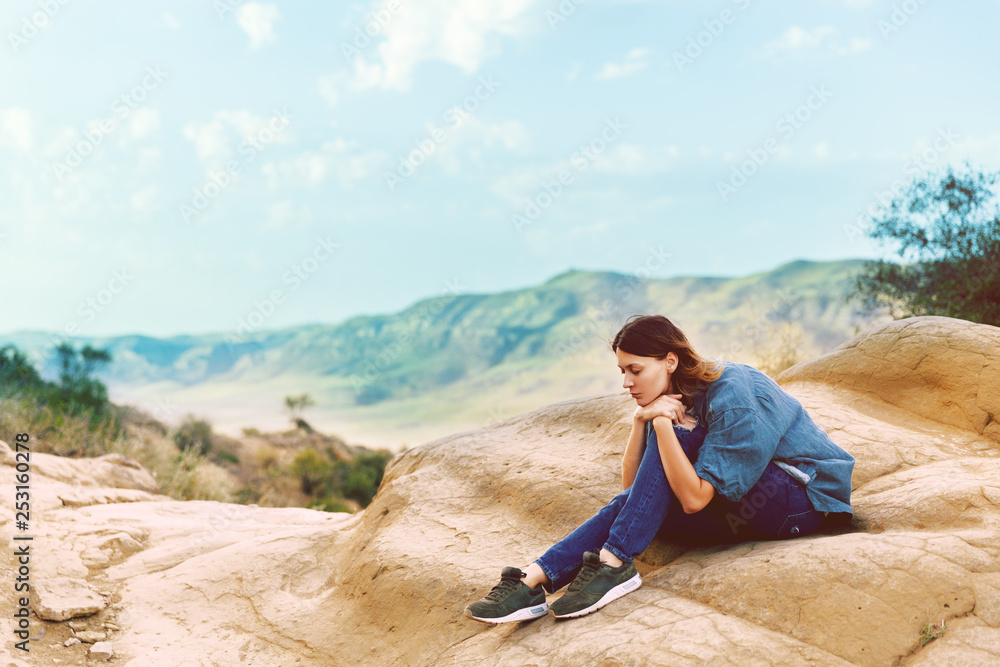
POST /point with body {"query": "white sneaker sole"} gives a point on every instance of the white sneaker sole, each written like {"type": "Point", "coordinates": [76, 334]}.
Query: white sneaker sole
{"type": "Point", "coordinates": [621, 589]}
{"type": "Point", "coordinates": [526, 614]}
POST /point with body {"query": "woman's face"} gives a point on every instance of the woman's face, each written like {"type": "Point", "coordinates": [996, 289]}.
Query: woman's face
{"type": "Point", "coordinates": [646, 378]}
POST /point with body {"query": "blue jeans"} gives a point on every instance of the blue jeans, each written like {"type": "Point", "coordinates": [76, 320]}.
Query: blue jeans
{"type": "Point", "coordinates": [776, 507]}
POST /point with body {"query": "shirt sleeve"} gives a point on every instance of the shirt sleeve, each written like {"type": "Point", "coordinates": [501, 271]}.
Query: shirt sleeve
{"type": "Point", "coordinates": [738, 447]}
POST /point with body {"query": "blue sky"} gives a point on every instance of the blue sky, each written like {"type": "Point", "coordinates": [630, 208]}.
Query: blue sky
{"type": "Point", "coordinates": [180, 167]}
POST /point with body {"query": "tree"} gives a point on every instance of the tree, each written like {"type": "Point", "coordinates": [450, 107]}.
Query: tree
{"type": "Point", "coordinates": [296, 404]}
{"type": "Point", "coordinates": [17, 375]}
{"type": "Point", "coordinates": [947, 226]}
{"type": "Point", "coordinates": [78, 392]}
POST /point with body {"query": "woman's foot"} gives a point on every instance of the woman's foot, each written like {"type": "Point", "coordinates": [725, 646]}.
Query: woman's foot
{"type": "Point", "coordinates": [510, 600]}
{"type": "Point", "coordinates": [595, 585]}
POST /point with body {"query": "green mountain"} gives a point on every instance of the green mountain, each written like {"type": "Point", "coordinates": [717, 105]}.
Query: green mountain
{"type": "Point", "coordinates": [462, 360]}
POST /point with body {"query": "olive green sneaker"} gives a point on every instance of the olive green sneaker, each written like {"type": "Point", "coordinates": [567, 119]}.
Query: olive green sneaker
{"type": "Point", "coordinates": [510, 600]}
{"type": "Point", "coordinates": [595, 585]}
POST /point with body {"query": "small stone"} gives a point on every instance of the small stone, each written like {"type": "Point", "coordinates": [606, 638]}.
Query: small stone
{"type": "Point", "coordinates": [101, 651]}
{"type": "Point", "coordinates": [77, 625]}
{"type": "Point", "coordinates": [60, 598]}
{"type": "Point", "coordinates": [72, 641]}
{"type": "Point", "coordinates": [91, 636]}
{"type": "Point", "coordinates": [108, 625]}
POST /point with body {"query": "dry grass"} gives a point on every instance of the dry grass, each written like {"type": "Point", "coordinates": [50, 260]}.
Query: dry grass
{"type": "Point", "coordinates": [180, 475]}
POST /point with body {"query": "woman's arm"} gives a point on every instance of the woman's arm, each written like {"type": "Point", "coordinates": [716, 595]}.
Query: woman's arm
{"type": "Point", "coordinates": [693, 492]}
{"type": "Point", "coordinates": [633, 452]}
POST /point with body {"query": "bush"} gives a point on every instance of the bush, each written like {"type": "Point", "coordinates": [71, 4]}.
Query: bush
{"type": "Point", "coordinates": [194, 434]}
{"type": "Point", "coordinates": [312, 468]}
{"type": "Point", "coordinates": [71, 418]}
{"type": "Point", "coordinates": [949, 226]}
{"type": "Point", "coordinates": [363, 477]}
{"type": "Point", "coordinates": [329, 504]}
{"type": "Point", "coordinates": [223, 456]}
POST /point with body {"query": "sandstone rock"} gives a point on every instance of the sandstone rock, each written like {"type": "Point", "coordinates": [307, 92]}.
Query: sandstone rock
{"type": "Point", "coordinates": [915, 401]}
{"type": "Point", "coordinates": [101, 651]}
{"type": "Point", "coordinates": [60, 598]}
{"type": "Point", "coordinates": [91, 636]}
{"type": "Point", "coordinates": [72, 641]}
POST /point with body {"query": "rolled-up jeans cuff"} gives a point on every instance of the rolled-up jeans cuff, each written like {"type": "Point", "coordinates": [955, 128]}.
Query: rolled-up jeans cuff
{"type": "Point", "coordinates": [617, 552]}
{"type": "Point", "coordinates": [548, 573]}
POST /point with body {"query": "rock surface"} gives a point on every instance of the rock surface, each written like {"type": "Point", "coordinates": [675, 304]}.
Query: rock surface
{"type": "Point", "coordinates": [60, 598]}
{"type": "Point", "coordinates": [917, 402]}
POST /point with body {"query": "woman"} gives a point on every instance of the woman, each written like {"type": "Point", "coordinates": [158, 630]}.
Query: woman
{"type": "Point", "coordinates": [718, 452]}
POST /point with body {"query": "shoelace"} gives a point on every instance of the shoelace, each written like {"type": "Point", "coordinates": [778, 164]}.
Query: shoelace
{"type": "Point", "coordinates": [502, 589]}
{"type": "Point", "coordinates": [587, 572]}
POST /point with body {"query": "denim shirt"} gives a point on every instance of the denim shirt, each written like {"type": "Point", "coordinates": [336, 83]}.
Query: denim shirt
{"type": "Point", "coordinates": [751, 421]}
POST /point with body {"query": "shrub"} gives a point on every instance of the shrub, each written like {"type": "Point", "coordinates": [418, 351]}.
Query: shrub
{"type": "Point", "coordinates": [363, 477]}
{"type": "Point", "coordinates": [313, 468]}
{"type": "Point", "coordinates": [195, 434]}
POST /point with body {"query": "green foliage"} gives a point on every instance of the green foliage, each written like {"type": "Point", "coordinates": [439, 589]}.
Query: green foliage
{"type": "Point", "coordinates": [329, 504]}
{"type": "Point", "coordinates": [226, 457]}
{"type": "Point", "coordinates": [947, 226]}
{"type": "Point", "coordinates": [328, 480]}
{"type": "Point", "coordinates": [296, 404]}
{"type": "Point", "coordinates": [194, 434]}
{"type": "Point", "coordinates": [72, 417]}
{"type": "Point", "coordinates": [78, 392]}
{"type": "Point", "coordinates": [362, 477]}
{"type": "Point", "coordinates": [313, 468]}
{"type": "Point", "coordinates": [17, 375]}
{"type": "Point", "coordinates": [931, 631]}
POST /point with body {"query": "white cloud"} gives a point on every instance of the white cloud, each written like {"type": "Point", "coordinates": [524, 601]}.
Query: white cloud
{"type": "Point", "coordinates": [461, 32]}
{"type": "Point", "coordinates": [795, 41]}
{"type": "Point", "coordinates": [855, 45]}
{"type": "Point", "coordinates": [283, 214]}
{"type": "Point", "coordinates": [511, 134]}
{"type": "Point", "coordinates": [339, 159]}
{"type": "Point", "coordinates": [627, 158]}
{"type": "Point", "coordinates": [279, 214]}
{"type": "Point", "coordinates": [142, 121]}
{"type": "Point", "coordinates": [798, 39]}
{"type": "Point", "coordinates": [216, 140]}
{"type": "Point", "coordinates": [144, 199]}
{"type": "Point", "coordinates": [16, 129]}
{"type": "Point", "coordinates": [821, 150]}
{"type": "Point", "coordinates": [635, 61]}
{"type": "Point", "coordinates": [327, 88]}
{"type": "Point", "coordinates": [520, 183]}
{"type": "Point", "coordinates": [257, 21]}
{"type": "Point", "coordinates": [169, 21]}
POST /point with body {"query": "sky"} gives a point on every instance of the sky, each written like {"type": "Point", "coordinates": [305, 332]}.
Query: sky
{"type": "Point", "coordinates": [188, 167]}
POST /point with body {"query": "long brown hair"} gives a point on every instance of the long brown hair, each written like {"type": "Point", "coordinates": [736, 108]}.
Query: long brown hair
{"type": "Point", "coordinates": [655, 336]}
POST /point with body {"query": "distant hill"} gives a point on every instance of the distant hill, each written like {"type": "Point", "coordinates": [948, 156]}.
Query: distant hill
{"type": "Point", "coordinates": [462, 360]}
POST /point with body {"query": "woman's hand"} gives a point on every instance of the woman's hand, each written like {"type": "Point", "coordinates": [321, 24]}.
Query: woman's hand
{"type": "Point", "coordinates": [667, 405]}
